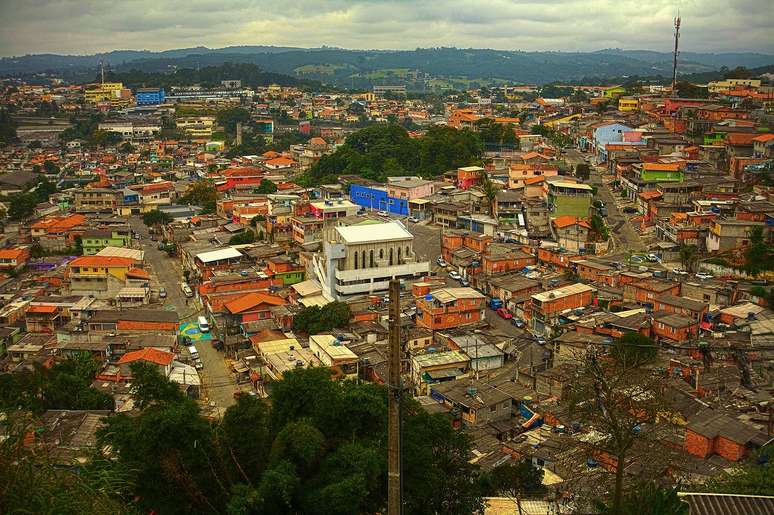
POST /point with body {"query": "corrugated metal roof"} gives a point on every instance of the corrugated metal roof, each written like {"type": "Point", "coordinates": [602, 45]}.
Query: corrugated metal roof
{"type": "Point", "coordinates": [728, 504]}
{"type": "Point", "coordinates": [217, 255]}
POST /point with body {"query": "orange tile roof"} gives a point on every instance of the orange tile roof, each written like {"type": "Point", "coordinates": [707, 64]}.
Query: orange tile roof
{"type": "Point", "coordinates": [138, 273]}
{"type": "Point", "coordinates": [534, 180]}
{"type": "Point", "coordinates": [11, 253]}
{"type": "Point", "coordinates": [567, 220]}
{"type": "Point", "coordinates": [531, 155]}
{"type": "Point", "coordinates": [317, 141]}
{"type": "Point", "coordinates": [251, 300]}
{"type": "Point", "coordinates": [763, 138]}
{"type": "Point", "coordinates": [280, 161]}
{"type": "Point", "coordinates": [102, 261]}
{"type": "Point", "coordinates": [271, 154]}
{"type": "Point", "coordinates": [647, 195]}
{"type": "Point", "coordinates": [740, 138]}
{"type": "Point", "coordinates": [41, 309]}
{"type": "Point", "coordinates": [159, 357]}
{"type": "Point", "coordinates": [57, 223]}
{"type": "Point", "coordinates": [661, 167]}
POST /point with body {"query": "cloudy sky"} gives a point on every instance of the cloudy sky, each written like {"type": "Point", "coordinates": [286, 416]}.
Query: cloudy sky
{"type": "Point", "coordinates": [88, 26]}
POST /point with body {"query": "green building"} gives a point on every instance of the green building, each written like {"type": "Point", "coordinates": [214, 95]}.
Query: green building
{"type": "Point", "coordinates": [95, 240]}
{"type": "Point", "coordinates": [570, 199]}
{"type": "Point", "coordinates": [291, 277]}
{"type": "Point", "coordinates": [657, 172]}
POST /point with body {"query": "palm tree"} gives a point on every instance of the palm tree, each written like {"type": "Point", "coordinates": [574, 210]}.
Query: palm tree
{"type": "Point", "coordinates": [489, 189]}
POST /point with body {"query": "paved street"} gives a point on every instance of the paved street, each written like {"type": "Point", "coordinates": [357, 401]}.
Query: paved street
{"type": "Point", "coordinates": [427, 240]}
{"type": "Point", "coordinates": [627, 239]}
{"type": "Point", "coordinates": [217, 380]}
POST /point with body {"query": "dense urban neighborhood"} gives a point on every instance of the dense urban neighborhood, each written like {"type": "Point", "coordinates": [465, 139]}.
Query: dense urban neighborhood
{"type": "Point", "coordinates": [196, 313]}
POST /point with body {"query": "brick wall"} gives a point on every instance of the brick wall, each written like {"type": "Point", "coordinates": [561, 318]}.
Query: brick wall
{"type": "Point", "coordinates": [697, 444]}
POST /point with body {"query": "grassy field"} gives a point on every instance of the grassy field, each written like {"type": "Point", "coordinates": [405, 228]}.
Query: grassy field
{"type": "Point", "coordinates": [321, 69]}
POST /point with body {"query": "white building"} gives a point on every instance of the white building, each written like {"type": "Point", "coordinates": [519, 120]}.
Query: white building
{"type": "Point", "coordinates": [362, 259]}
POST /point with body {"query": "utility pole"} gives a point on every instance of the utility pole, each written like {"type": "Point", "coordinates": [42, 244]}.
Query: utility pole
{"type": "Point", "coordinates": [674, 56]}
{"type": "Point", "coordinates": [395, 394]}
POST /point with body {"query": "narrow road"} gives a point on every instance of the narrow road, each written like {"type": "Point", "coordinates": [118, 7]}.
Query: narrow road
{"type": "Point", "coordinates": [627, 239]}
{"type": "Point", "coordinates": [217, 380]}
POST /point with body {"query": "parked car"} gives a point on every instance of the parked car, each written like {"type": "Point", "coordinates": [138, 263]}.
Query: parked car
{"type": "Point", "coordinates": [652, 258]}
{"type": "Point", "coordinates": [440, 261]}
{"type": "Point", "coordinates": [454, 275]}
{"type": "Point", "coordinates": [495, 303]}
{"type": "Point", "coordinates": [198, 364]}
{"type": "Point", "coordinates": [540, 340]}
{"type": "Point", "coordinates": [162, 293]}
{"type": "Point", "coordinates": [629, 210]}
{"type": "Point", "coordinates": [187, 291]}
{"type": "Point", "coordinates": [217, 344]}
{"type": "Point", "coordinates": [413, 219]}
{"type": "Point", "coordinates": [383, 214]}
{"type": "Point", "coordinates": [361, 211]}
{"type": "Point", "coordinates": [504, 313]}
{"type": "Point", "coordinates": [636, 259]}
{"type": "Point", "coordinates": [464, 282]}
{"type": "Point", "coordinates": [518, 322]}
{"type": "Point", "coordinates": [679, 271]}
{"type": "Point", "coordinates": [703, 275]}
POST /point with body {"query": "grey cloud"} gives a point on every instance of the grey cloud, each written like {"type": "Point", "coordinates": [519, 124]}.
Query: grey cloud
{"type": "Point", "coordinates": [80, 26]}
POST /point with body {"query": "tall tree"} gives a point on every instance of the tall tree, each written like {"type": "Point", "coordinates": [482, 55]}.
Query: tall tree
{"type": "Point", "coordinates": [620, 397]}
{"type": "Point", "coordinates": [489, 189]}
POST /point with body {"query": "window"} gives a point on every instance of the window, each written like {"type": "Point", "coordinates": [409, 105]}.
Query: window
{"type": "Point", "coordinates": [493, 408]}
{"type": "Point", "coordinates": [372, 258]}
{"type": "Point", "coordinates": [355, 260]}
{"type": "Point", "coordinates": [390, 256]}
{"type": "Point", "coordinates": [381, 253]}
{"type": "Point", "coordinates": [363, 261]}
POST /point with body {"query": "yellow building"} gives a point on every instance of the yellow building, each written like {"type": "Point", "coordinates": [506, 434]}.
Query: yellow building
{"type": "Point", "coordinates": [717, 86]}
{"type": "Point", "coordinates": [615, 91]}
{"type": "Point", "coordinates": [113, 92]}
{"type": "Point", "coordinates": [101, 266]}
{"type": "Point", "coordinates": [197, 126]}
{"type": "Point", "coordinates": [628, 104]}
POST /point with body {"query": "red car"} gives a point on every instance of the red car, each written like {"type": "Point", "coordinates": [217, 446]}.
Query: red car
{"type": "Point", "coordinates": [504, 313]}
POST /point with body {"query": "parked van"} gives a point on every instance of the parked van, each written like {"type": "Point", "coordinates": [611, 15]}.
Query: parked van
{"type": "Point", "coordinates": [204, 326]}
{"type": "Point", "coordinates": [193, 352]}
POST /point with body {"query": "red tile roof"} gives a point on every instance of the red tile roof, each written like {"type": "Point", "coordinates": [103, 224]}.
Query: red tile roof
{"type": "Point", "coordinates": [159, 357]}
{"type": "Point", "coordinates": [567, 220]}
{"type": "Point", "coordinates": [763, 138]}
{"type": "Point", "coordinates": [11, 253]}
{"type": "Point", "coordinates": [740, 138]}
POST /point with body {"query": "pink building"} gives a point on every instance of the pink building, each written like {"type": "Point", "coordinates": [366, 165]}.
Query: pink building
{"type": "Point", "coordinates": [409, 188]}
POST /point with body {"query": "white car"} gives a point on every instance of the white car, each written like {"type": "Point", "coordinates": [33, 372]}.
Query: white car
{"type": "Point", "coordinates": [679, 271]}
{"type": "Point", "coordinates": [413, 219]}
{"type": "Point", "coordinates": [454, 275]}
{"type": "Point", "coordinates": [652, 258]}
{"type": "Point", "coordinates": [704, 275]}
{"type": "Point", "coordinates": [441, 262]}
{"type": "Point", "coordinates": [383, 214]}
{"type": "Point", "coordinates": [187, 291]}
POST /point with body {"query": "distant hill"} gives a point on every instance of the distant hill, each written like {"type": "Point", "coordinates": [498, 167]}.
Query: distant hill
{"type": "Point", "coordinates": [418, 69]}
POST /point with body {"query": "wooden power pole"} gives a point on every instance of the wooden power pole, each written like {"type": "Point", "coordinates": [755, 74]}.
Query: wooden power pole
{"type": "Point", "coordinates": [395, 393]}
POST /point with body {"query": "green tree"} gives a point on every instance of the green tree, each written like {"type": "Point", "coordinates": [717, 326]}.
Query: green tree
{"type": "Point", "coordinates": [582, 171]}
{"type": "Point", "coordinates": [599, 228]}
{"type": "Point", "coordinates": [688, 256]}
{"type": "Point", "coordinates": [518, 480]}
{"type": "Point", "coordinates": [753, 477]}
{"type": "Point", "coordinates": [229, 118]}
{"type": "Point", "coordinates": [489, 189]}
{"type": "Point", "coordinates": [758, 257]}
{"type": "Point", "coordinates": [618, 397]}
{"type": "Point", "coordinates": [314, 320]}
{"type": "Point", "coordinates": [156, 218]}
{"type": "Point", "coordinates": [7, 127]}
{"type": "Point", "coordinates": [22, 205]}
{"type": "Point", "coordinates": [266, 186]}
{"type": "Point", "coordinates": [243, 238]}
{"type": "Point", "coordinates": [633, 349]}
{"type": "Point", "coordinates": [649, 498]}
{"type": "Point", "coordinates": [50, 167]}
{"type": "Point", "coordinates": [201, 193]}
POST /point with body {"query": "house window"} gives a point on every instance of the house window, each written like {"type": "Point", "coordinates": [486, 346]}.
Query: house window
{"type": "Point", "coordinates": [493, 408]}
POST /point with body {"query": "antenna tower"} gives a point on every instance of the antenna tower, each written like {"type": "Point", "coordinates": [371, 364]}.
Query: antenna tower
{"type": "Point", "coordinates": [675, 54]}
{"type": "Point", "coordinates": [102, 70]}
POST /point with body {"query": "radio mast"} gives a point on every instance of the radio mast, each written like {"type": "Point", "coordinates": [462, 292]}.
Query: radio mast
{"type": "Point", "coordinates": [674, 56]}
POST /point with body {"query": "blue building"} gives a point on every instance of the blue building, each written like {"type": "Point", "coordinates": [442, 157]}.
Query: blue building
{"type": "Point", "coordinates": [612, 133]}
{"type": "Point", "coordinates": [150, 96]}
{"type": "Point", "coordinates": [375, 197]}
